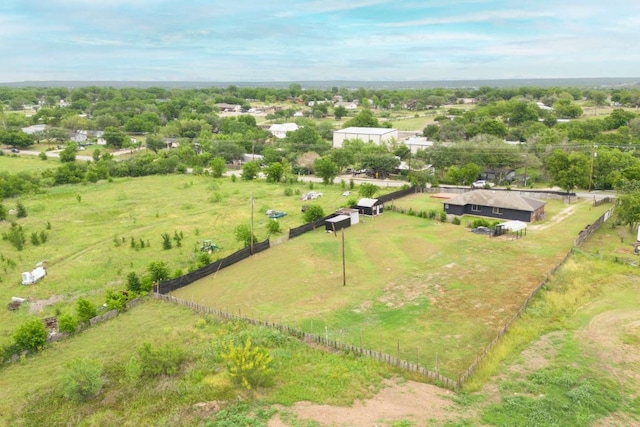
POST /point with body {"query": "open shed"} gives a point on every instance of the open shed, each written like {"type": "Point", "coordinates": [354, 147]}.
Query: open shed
{"type": "Point", "coordinates": [337, 222]}
{"type": "Point", "coordinates": [370, 207]}
{"type": "Point", "coordinates": [516, 228]}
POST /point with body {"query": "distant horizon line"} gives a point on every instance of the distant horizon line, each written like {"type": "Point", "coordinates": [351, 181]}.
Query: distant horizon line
{"type": "Point", "coordinates": [457, 83]}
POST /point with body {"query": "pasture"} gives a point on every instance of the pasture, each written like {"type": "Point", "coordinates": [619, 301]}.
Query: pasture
{"type": "Point", "coordinates": [96, 232]}
{"type": "Point", "coordinates": [429, 291]}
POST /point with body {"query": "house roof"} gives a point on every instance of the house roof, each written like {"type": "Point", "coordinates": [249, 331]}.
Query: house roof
{"type": "Point", "coordinates": [514, 225]}
{"type": "Point", "coordinates": [284, 127]}
{"type": "Point", "coordinates": [497, 199]}
{"type": "Point", "coordinates": [367, 203]}
{"type": "Point", "coordinates": [367, 131]}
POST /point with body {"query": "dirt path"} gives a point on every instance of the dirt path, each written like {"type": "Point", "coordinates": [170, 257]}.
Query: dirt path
{"type": "Point", "coordinates": [420, 404]}
{"type": "Point", "coordinates": [561, 216]}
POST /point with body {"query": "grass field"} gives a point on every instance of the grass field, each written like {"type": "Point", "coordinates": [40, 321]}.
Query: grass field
{"type": "Point", "coordinates": [429, 288]}
{"type": "Point", "coordinates": [22, 163]}
{"type": "Point", "coordinates": [89, 249]}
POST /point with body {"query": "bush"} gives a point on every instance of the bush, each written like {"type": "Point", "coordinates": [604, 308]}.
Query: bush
{"type": "Point", "coordinates": [166, 241]}
{"type": "Point", "coordinates": [86, 310]}
{"type": "Point", "coordinates": [158, 271]}
{"type": "Point", "coordinates": [163, 360]}
{"type": "Point", "coordinates": [288, 191]}
{"type": "Point", "coordinates": [248, 365]}
{"type": "Point", "coordinates": [443, 216]}
{"type": "Point", "coordinates": [273, 227]}
{"type": "Point", "coordinates": [31, 336]}
{"type": "Point", "coordinates": [116, 300]}
{"type": "Point", "coordinates": [243, 234]}
{"type": "Point", "coordinates": [21, 210]}
{"type": "Point", "coordinates": [456, 221]}
{"type": "Point", "coordinates": [313, 213]}
{"type": "Point", "coordinates": [203, 259]}
{"type": "Point", "coordinates": [67, 323]}
{"type": "Point", "coordinates": [480, 222]}
{"type": "Point", "coordinates": [82, 379]}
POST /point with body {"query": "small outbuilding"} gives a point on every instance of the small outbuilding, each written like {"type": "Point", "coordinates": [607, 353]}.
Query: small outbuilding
{"type": "Point", "coordinates": [337, 222]}
{"type": "Point", "coordinates": [354, 214]}
{"type": "Point", "coordinates": [371, 207]}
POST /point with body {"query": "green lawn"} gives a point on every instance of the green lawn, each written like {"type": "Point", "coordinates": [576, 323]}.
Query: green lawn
{"type": "Point", "coordinates": [14, 163]}
{"type": "Point", "coordinates": [428, 287]}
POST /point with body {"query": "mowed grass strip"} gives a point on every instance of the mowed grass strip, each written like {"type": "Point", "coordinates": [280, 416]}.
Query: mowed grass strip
{"type": "Point", "coordinates": [435, 290]}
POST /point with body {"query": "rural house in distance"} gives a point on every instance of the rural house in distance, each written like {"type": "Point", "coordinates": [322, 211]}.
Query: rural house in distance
{"type": "Point", "coordinates": [496, 204]}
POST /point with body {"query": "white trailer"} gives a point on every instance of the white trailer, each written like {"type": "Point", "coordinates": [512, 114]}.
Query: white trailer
{"type": "Point", "coordinates": [31, 277]}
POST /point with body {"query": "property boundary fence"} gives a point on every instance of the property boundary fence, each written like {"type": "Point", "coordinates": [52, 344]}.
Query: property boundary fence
{"type": "Point", "coordinates": [304, 228]}
{"type": "Point", "coordinates": [318, 339]}
{"type": "Point", "coordinates": [584, 234]}
{"type": "Point", "coordinates": [167, 286]}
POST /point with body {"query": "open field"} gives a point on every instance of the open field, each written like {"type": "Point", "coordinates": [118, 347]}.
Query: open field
{"type": "Point", "coordinates": [568, 362]}
{"type": "Point", "coordinates": [22, 163]}
{"type": "Point", "coordinates": [434, 290]}
{"type": "Point", "coordinates": [92, 227]}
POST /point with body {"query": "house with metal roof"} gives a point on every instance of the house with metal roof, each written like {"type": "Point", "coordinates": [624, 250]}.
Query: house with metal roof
{"type": "Point", "coordinates": [497, 204]}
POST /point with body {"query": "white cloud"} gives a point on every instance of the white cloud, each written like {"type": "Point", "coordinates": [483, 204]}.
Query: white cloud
{"type": "Point", "coordinates": [505, 15]}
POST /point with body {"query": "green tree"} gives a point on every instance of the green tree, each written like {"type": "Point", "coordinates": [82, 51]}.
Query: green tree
{"type": "Point", "coordinates": [68, 155]}
{"type": "Point", "coordinates": [3, 212]}
{"type": "Point", "coordinates": [367, 190]}
{"type": "Point", "coordinates": [218, 166]}
{"type": "Point", "coordinates": [158, 271]}
{"type": "Point", "coordinates": [82, 379]}
{"type": "Point", "coordinates": [30, 336]}
{"type": "Point", "coordinates": [339, 112]}
{"type": "Point", "coordinates": [313, 213]}
{"type": "Point", "coordinates": [628, 209]}
{"type": "Point", "coordinates": [85, 310]}
{"type": "Point", "coordinates": [133, 282]}
{"type": "Point", "coordinates": [569, 170]}
{"type": "Point", "coordinates": [364, 118]}
{"type": "Point", "coordinates": [243, 234]}
{"type": "Point", "coordinates": [115, 137]}
{"type": "Point", "coordinates": [250, 171]}
{"type": "Point", "coordinates": [155, 143]}
{"type": "Point", "coordinates": [326, 169]}
{"type": "Point", "coordinates": [274, 172]}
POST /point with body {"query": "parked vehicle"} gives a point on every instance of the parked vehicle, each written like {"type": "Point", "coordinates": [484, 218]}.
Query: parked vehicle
{"type": "Point", "coordinates": [481, 183]}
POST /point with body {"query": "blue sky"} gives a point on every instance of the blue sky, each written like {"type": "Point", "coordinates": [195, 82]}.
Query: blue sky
{"type": "Point", "coordinates": [302, 40]}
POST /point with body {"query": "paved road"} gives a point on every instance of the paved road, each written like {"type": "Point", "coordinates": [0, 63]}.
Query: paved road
{"type": "Point", "coordinates": [56, 153]}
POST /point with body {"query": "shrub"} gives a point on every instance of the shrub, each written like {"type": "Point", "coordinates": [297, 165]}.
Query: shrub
{"type": "Point", "coordinates": [443, 216]}
{"type": "Point", "coordinates": [367, 189]}
{"type": "Point", "coordinates": [163, 360]}
{"type": "Point", "coordinates": [133, 282]}
{"type": "Point", "coordinates": [166, 241]}
{"type": "Point", "coordinates": [82, 379]}
{"type": "Point", "coordinates": [273, 227]}
{"type": "Point", "coordinates": [248, 365]}
{"type": "Point", "coordinates": [15, 236]}
{"type": "Point", "coordinates": [116, 300]}
{"type": "Point", "coordinates": [313, 213]}
{"type": "Point", "coordinates": [86, 310]}
{"type": "Point", "coordinates": [203, 259]}
{"type": "Point", "coordinates": [288, 191]}
{"type": "Point", "coordinates": [43, 155]}
{"type": "Point", "coordinates": [3, 212]}
{"type": "Point", "coordinates": [35, 238]}
{"type": "Point", "coordinates": [21, 210]}
{"type": "Point", "coordinates": [67, 323]}
{"type": "Point", "coordinates": [456, 220]}
{"type": "Point", "coordinates": [432, 214]}
{"type": "Point", "coordinates": [31, 336]}
{"type": "Point", "coordinates": [480, 222]}
{"type": "Point", "coordinates": [243, 234]}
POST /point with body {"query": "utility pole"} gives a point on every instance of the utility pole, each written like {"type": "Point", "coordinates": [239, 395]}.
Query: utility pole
{"type": "Point", "coordinates": [344, 268]}
{"type": "Point", "coordinates": [251, 232]}
{"type": "Point", "coordinates": [594, 154]}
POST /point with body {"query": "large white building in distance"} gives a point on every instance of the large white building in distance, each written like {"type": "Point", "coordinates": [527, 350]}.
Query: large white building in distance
{"type": "Point", "coordinates": [375, 135]}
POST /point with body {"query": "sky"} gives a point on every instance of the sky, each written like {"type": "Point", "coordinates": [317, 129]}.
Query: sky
{"type": "Point", "coordinates": [314, 40]}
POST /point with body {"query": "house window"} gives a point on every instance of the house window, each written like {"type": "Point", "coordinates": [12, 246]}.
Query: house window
{"type": "Point", "coordinates": [446, 205]}
{"type": "Point", "coordinates": [476, 208]}
{"type": "Point", "coordinates": [497, 211]}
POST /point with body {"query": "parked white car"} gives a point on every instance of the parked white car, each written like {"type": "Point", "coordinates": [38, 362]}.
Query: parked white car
{"type": "Point", "coordinates": [481, 183]}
